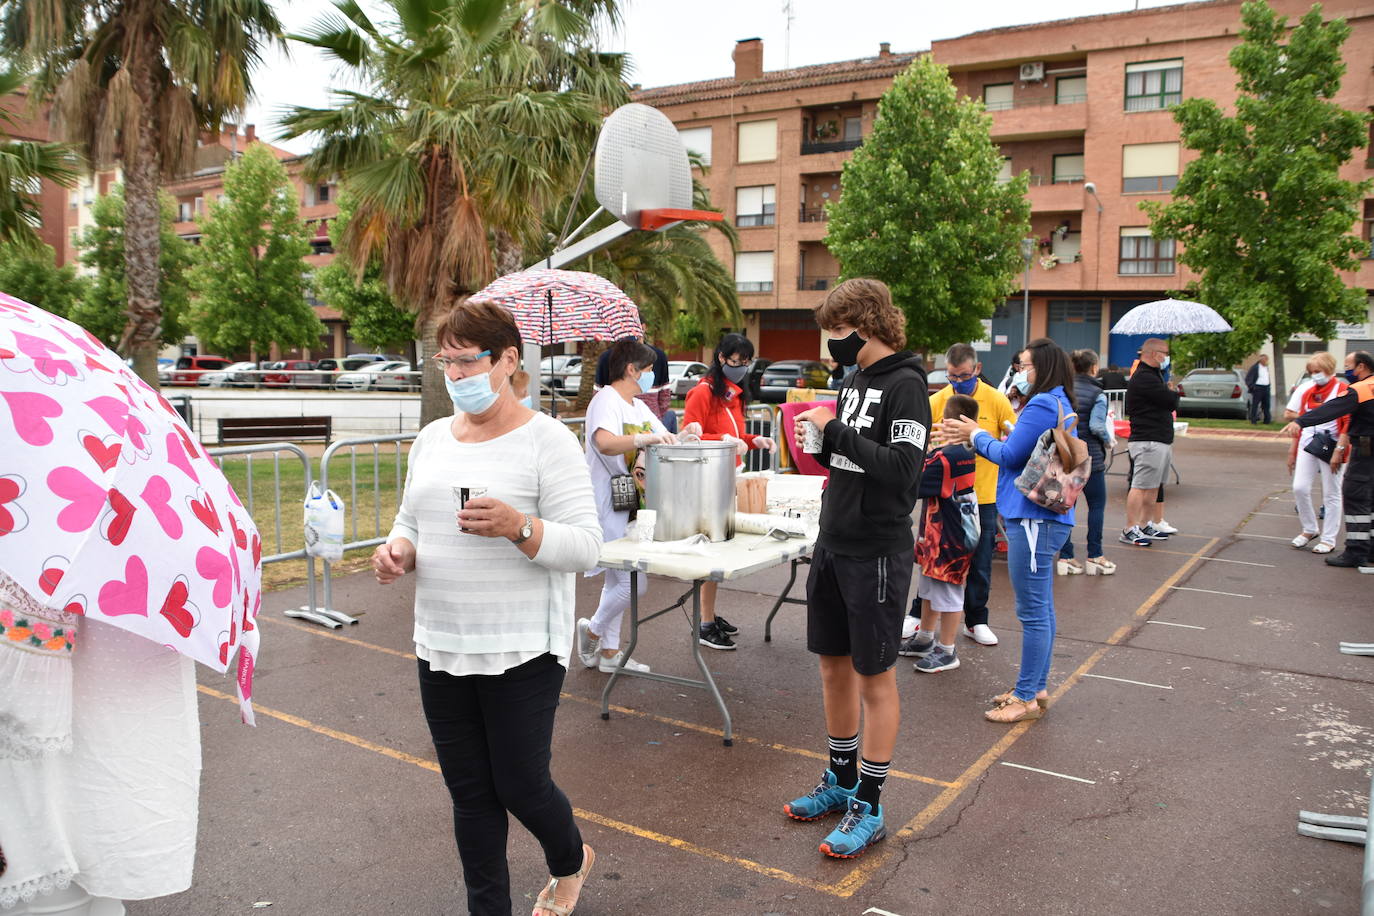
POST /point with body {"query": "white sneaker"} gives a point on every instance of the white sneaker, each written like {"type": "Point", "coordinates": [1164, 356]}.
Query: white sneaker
{"type": "Point", "coordinates": [909, 626]}
{"type": "Point", "coordinates": [608, 665]}
{"type": "Point", "coordinates": [982, 634]}
{"type": "Point", "coordinates": [588, 646]}
{"type": "Point", "coordinates": [1164, 527]}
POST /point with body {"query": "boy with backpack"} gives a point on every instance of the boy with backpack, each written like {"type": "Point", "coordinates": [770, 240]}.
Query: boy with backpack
{"type": "Point", "coordinates": [949, 535]}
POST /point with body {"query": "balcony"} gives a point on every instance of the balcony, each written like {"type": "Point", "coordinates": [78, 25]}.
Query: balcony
{"type": "Point", "coordinates": [816, 147]}
{"type": "Point", "coordinates": [753, 286]}
{"type": "Point", "coordinates": [1046, 195]}
{"type": "Point", "coordinates": [1040, 118]}
{"type": "Point", "coordinates": [816, 282]}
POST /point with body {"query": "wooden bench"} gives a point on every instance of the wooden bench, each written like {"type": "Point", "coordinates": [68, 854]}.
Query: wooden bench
{"type": "Point", "coordinates": [274, 429]}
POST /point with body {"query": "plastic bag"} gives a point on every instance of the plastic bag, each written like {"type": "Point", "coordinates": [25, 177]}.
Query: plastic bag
{"type": "Point", "coordinates": [324, 523]}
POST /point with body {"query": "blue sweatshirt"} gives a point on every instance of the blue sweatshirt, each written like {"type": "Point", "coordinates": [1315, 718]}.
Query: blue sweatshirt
{"type": "Point", "coordinates": [1011, 454]}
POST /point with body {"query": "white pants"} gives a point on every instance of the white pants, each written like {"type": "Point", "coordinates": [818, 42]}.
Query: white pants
{"type": "Point", "coordinates": [615, 601]}
{"type": "Point", "coordinates": [1306, 469]}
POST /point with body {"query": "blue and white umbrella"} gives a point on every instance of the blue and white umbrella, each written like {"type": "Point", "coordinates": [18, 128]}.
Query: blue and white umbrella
{"type": "Point", "coordinates": [1172, 316]}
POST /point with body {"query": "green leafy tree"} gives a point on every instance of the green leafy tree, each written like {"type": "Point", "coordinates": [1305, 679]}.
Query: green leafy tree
{"type": "Point", "coordinates": [374, 319]}
{"type": "Point", "coordinates": [249, 271]}
{"type": "Point", "coordinates": [133, 82]}
{"type": "Point", "coordinates": [1262, 214]}
{"type": "Point", "coordinates": [103, 308]}
{"type": "Point", "coordinates": [476, 116]}
{"type": "Point", "coordinates": [922, 210]}
{"type": "Point", "coordinates": [24, 165]}
{"type": "Point", "coordinates": [32, 274]}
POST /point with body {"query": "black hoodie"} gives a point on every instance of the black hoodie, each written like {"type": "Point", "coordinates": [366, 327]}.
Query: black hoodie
{"type": "Point", "coordinates": [875, 453]}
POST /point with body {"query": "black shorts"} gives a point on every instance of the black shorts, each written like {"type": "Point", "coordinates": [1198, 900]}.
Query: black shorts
{"type": "Point", "coordinates": [855, 607]}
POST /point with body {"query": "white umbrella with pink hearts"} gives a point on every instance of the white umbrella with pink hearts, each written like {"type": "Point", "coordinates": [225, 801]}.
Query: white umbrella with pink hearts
{"type": "Point", "coordinates": [109, 507]}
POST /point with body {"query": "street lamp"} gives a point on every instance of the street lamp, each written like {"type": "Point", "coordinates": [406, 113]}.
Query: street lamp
{"type": "Point", "coordinates": [1027, 253]}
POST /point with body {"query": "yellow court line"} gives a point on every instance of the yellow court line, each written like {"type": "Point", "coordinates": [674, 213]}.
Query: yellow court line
{"type": "Point", "coordinates": [593, 817]}
{"type": "Point", "coordinates": [720, 733]}
{"type": "Point", "coordinates": [860, 876]}
{"type": "Point", "coordinates": [326, 634]}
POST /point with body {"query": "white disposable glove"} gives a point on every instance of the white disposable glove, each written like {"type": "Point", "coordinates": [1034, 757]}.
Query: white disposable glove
{"type": "Point", "coordinates": [764, 442]}
{"type": "Point", "coordinates": [740, 445]}
{"type": "Point", "coordinates": [691, 429]}
{"type": "Point", "coordinates": [643, 440]}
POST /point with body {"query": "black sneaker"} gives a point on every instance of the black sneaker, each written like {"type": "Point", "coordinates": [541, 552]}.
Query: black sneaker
{"type": "Point", "coordinates": [1153, 533]}
{"type": "Point", "coordinates": [918, 646]}
{"type": "Point", "coordinates": [1345, 561]}
{"type": "Point", "coordinates": [726, 626]}
{"type": "Point", "coordinates": [712, 636]}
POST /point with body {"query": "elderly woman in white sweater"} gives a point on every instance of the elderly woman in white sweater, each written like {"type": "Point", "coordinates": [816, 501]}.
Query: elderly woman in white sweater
{"type": "Point", "coordinates": [494, 604]}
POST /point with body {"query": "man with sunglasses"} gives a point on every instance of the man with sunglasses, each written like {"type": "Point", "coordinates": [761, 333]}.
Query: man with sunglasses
{"type": "Point", "coordinates": [995, 415]}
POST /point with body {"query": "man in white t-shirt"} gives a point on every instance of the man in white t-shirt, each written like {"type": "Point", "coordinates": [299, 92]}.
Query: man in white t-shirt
{"type": "Point", "coordinates": [1257, 381]}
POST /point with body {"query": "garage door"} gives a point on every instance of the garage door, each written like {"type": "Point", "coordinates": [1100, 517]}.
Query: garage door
{"type": "Point", "coordinates": [788, 334]}
{"type": "Point", "coordinates": [1076, 324]}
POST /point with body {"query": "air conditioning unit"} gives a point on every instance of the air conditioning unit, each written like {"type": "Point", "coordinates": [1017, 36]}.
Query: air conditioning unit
{"type": "Point", "coordinates": [1031, 73]}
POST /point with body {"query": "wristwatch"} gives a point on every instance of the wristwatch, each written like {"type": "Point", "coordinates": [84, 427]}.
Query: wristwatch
{"type": "Point", "coordinates": [526, 531]}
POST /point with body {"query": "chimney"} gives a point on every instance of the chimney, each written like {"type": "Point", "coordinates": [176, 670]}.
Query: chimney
{"type": "Point", "coordinates": [250, 133]}
{"type": "Point", "coordinates": [885, 49]}
{"type": "Point", "coordinates": [748, 59]}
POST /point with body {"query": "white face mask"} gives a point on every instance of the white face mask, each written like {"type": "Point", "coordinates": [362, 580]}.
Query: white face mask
{"type": "Point", "coordinates": [1320, 378]}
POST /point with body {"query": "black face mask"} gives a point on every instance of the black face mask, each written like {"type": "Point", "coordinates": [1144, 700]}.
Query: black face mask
{"type": "Point", "coordinates": [845, 350]}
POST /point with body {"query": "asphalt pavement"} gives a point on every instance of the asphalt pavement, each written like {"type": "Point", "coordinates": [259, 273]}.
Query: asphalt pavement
{"type": "Point", "coordinates": [1200, 702]}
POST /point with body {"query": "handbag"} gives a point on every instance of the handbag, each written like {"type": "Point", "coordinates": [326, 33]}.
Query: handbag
{"type": "Point", "coordinates": [1058, 468]}
{"type": "Point", "coordinates": [1322, 445]}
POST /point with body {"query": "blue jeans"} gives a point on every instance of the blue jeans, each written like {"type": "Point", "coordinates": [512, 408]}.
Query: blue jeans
{"type": "Point", "coordinates": [979, 582]}
{"type": "Point", "coordinates": [1034, 590]}
{"type": "Point", "coordinates": [1095, 492]}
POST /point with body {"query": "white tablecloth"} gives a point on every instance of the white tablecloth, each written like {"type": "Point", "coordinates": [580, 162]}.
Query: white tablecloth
{"type": "Point", "coordinates": [740, 556]}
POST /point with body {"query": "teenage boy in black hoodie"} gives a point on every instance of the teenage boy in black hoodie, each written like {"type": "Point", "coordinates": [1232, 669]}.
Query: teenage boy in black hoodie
{"type": "Point", "coordinates": [861, 568]}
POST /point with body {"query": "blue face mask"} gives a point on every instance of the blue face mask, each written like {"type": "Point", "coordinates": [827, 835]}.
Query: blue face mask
{"type": "Point", "coordinates": [472, 394]}
{"type": "Point", "coordinates": [646, 381]}
{"type": "Point", "coordinates": [1164, 366]}
{"type": "Point", "coordinates": [1350, 376]}
{"type": "Point", "coordinates": [528, 401]}
{"type": "Point", "coordinates": [965, 386]}
{"type": "Point", "coordinates": [1021, 381]}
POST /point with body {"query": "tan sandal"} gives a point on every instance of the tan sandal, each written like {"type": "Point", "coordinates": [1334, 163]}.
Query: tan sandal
{"type": "Point", "coordinates": [545, 903]}
{"type": "Point", "coordinates": [1002, 699]}
{"type": "Point", "coordinates": [1014, 711]}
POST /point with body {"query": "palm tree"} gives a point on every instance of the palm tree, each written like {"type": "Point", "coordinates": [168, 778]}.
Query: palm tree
{"type": "Point", "coordinates": [24, 164]}
{"type": "Point", "coordinates": [473, 117]}
{"type": "Point", "coordinates": [134, 82]}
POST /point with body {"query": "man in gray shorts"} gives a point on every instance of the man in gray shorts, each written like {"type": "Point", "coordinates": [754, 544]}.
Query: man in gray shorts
{"type": "Point", "coordinates": [1150, 405]}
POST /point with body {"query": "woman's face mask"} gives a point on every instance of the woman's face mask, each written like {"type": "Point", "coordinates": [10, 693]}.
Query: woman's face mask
{"type": "Point", "coordinates": [735, 374]}
{"type": "Point", "coordinates": [474, 394]}
{"type": "Point", "coordinates": [646, 380]}
{"type": "Point", "coordinates": [1320, 378]}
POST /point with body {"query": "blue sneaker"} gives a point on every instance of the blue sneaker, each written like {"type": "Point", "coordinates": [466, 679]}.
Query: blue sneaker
{"type": "Point", "coordinates": [859, 829]}
{"type": "Point", "coordinates": [826, 798]}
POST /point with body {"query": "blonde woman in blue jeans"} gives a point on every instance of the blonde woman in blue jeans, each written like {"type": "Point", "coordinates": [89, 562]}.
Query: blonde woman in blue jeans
{"type": "Point", "coordinates": [1035, 535]}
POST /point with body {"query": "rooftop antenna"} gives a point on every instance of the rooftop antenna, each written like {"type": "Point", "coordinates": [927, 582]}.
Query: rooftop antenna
{"type": "Point", "coordinates": [790, 14]}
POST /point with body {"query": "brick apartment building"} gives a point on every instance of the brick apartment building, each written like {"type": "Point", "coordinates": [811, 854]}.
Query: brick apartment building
{"type": "Point", "coordinates": [1081, 104]}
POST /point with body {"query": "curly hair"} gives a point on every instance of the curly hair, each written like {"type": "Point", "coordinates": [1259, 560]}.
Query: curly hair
{"type": "Point", "coordinates": [866, 305]}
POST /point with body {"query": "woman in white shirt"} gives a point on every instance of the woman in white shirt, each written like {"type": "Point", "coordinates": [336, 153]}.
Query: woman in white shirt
{"type": "Point", "coordinates": [1321, 386]}
{"type": "Point", "coordinates": [494, 604]}
{"type": "Point", "coordinates": [617, 424]}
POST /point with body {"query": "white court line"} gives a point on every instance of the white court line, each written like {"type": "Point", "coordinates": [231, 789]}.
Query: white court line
{"type": "Point", "coordinates": [1103, 677]}
{"type": "Point", "coordinates": [1018, 766]}
{"type": "Point", "coordinates": [1239, 562]}
{"type": "Point", "coordinates": [1277, 514]}
{"type": "Point", "coordinates": [1165, 623]}
{"type": "Point", "coordinates": [877, 912]}
{"type": "Point", "coordinates": [1267, 537]}
{"type": "Point", "coordinates": [1210, 591]}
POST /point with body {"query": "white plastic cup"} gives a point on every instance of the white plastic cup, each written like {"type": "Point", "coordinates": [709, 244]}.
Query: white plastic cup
{"type": "Point", "coordinates": [811, 438]}
{"type": "Point", "coordinates": [461, 495]}
{"type": "Point", "coordinates": [644, 524]}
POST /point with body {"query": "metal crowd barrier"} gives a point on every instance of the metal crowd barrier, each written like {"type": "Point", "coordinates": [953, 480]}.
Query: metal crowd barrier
{"type": "Point", "coordinates": [1346, 829]}
{"type": "Point", "coordinates": [275, 450]}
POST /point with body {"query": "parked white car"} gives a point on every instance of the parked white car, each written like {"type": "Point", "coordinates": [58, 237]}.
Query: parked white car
{"type": "Point", "coordinates": [367, 378]}
{"type": "Point", "coordinates": [684, 375]}
{"type": "Point", "coordinates": [223, 378]}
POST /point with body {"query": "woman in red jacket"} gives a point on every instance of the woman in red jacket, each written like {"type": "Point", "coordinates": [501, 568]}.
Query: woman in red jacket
{"type": "Point", "coordinates": [717, 404]}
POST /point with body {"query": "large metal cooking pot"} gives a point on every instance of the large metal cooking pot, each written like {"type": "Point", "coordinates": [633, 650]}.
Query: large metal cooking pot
{"type": "Point", "coordinates": [692, 488]}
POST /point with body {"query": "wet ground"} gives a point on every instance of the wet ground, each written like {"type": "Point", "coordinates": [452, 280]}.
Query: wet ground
{"type": "Point", "coordinates": [1200, 702]}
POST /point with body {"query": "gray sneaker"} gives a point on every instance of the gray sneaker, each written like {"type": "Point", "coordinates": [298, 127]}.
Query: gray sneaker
{"type": "Point", "coordinates": [937, 660]}
{"type": "Point", "coordinates": [588, 646]}
{"type": "Point", "coordinates": [918, 646]}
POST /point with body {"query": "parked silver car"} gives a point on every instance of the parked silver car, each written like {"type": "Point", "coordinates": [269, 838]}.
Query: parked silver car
{"type": "Point", "coordinates": [1208, 391]}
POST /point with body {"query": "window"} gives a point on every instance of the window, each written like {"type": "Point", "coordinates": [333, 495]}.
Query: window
{"type": "Point", "coordinates": [1149, 167]}
{"type": "Point", "coordinates": [1068, 247]}
{"type": "Point", "coordinates": [755, 206]}
{"type": "Point", "coordinates": [1305, 345]}
{"type": "Point", "coordinates": [1070, 89]}
{"type": "Point", "coordinates": [1143, 254]}
{"type": "Point", "coordinates": [997, 96]}
{"type": "Point", "coordinates": [758, 141]}
{"type": "Point", "coordinates": [322, 194]}
{"type": "Point", "coordinates": [754, 272]}
{"type": "Point", "coordinates": [1004, 173]}
{"type": "Point", "coordinates": [1068, 168]}
{"type": "Point", "coordinates": [853, 128]}
{"type": "Point", "coordinates": [697, 140]}
{"type": "Point", "coordinates": [1368, 234]}
{"type": "Point", "coordinates": [183, 212]}
{"type": "Point", "coordinates": [1154, 85]}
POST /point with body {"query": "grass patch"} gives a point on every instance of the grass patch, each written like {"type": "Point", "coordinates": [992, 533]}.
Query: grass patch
{"type": "Point", "coordinates": [1231, 423]}
{"type": "Point", "coordinates": [277, 492]}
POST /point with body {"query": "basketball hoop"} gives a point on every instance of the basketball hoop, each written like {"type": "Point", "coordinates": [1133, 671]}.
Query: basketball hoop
{"type": "Point", "coordinates": [661, 218]}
